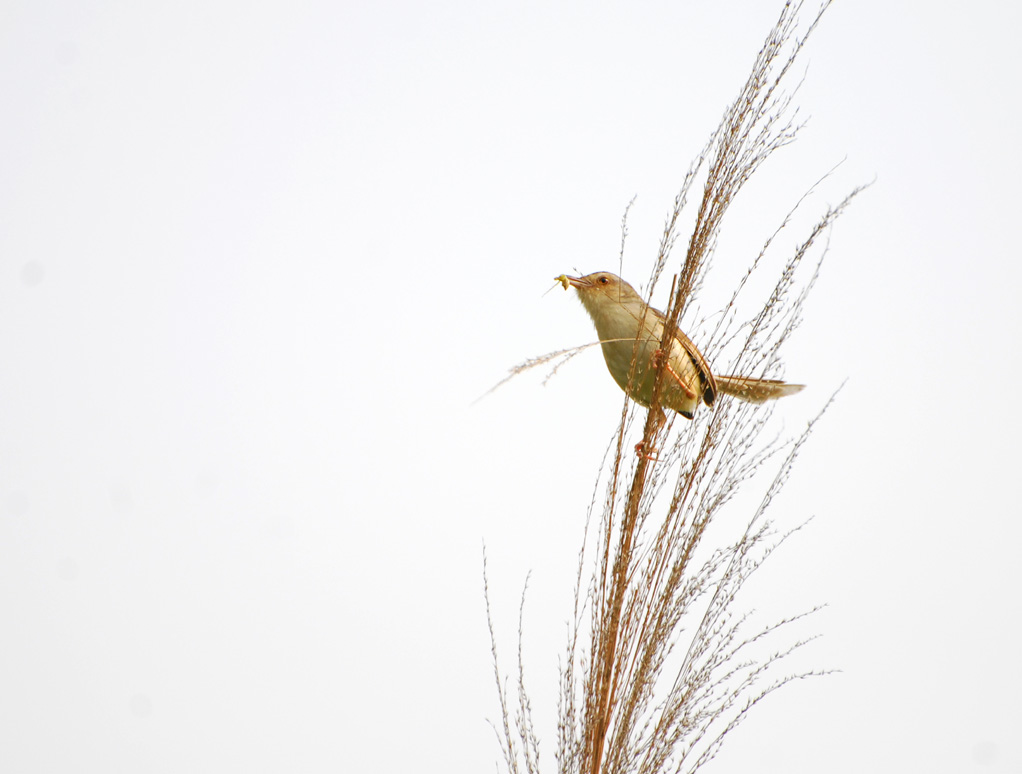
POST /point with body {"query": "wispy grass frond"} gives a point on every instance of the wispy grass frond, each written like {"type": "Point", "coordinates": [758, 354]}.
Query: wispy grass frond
{"type": "Point", "coordinates": [661, 664]}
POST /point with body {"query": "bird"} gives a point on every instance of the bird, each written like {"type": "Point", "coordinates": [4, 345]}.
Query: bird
{"type": "Point", "coordinates": [630, 331]}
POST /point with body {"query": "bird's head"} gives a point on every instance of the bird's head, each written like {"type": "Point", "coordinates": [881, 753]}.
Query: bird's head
{"type": "Point", "coordinates": [600, 290]}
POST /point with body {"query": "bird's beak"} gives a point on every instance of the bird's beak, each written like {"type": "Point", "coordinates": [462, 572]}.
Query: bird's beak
{"type": "Point", "coordinates": [575, 282]}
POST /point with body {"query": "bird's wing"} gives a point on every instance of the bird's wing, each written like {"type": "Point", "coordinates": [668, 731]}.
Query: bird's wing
{"type": "Point", "coordinates": [709, 382]}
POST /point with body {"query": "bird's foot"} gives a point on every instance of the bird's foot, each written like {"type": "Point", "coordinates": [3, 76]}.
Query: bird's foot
{"type": "Point", "coordinates": [640, 449]}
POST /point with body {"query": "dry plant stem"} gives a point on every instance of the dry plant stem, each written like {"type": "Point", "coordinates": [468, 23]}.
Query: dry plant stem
{"type": "Point", "coordinates": [732, 167]}
{"type": "Point", "coordinates": [606, 648]}
{"type": "Point", "coordinates": [739, 151]}
{"type": "Point", "coordinates": [507, 742]}
{"type": "Point", "coordinates": [663, 668]}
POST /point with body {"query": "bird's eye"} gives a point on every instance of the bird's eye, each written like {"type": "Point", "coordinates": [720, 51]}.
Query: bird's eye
{"type": "Point", "coordinates": [604, 280]}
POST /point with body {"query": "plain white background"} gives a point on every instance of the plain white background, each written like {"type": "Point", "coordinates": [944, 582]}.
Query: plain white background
{"type": "Point", "coordinates": [258, 260]}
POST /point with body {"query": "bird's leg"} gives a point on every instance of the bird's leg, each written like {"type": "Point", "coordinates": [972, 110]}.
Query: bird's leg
{"type": "Point", "coordinates": [655, 361]}
{"type": "Point", "coordinates": [640, 448]}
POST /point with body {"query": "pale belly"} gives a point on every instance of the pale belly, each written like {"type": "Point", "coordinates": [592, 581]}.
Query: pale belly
{"type": "Point", "coordinates": [638, 384]}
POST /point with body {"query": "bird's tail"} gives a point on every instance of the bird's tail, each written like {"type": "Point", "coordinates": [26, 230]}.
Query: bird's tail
{"type": "Point", "coordinates": [755, 390]}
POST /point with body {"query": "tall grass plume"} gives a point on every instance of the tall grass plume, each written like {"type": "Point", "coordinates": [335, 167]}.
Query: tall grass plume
{"type": "Point", "coordinates": [661, 664]}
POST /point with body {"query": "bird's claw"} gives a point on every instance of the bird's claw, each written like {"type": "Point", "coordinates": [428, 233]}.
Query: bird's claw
{"type": "Point", "coordinates": [640, 450]}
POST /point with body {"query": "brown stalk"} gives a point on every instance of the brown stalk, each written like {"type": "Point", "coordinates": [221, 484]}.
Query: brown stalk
{"type": "Point", "coordinates": [667, 668]}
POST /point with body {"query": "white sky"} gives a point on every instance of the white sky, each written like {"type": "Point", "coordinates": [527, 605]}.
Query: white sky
{"type": "Point", "coordinates": [256, 262]}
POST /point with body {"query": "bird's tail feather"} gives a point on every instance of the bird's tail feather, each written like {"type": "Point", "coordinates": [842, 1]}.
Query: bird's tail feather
{"type": "Point", "coordinates": [755, 390]}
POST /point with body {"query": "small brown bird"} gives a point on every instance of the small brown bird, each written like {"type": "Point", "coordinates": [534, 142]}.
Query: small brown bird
{"type": "Point", "coordinates": [618, 311]}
